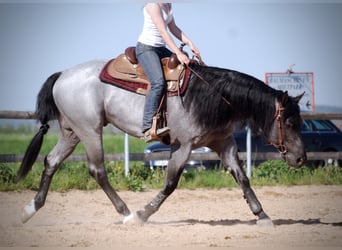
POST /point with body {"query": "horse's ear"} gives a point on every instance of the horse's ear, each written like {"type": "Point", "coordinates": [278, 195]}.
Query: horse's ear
{"type": "Point", "coordinates": [297, 98]}
{"type": "Point", "coordinates": [285, 98]}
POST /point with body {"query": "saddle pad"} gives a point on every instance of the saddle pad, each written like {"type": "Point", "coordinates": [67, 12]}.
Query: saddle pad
{"type": "Point", "coordinates": [140, 88]}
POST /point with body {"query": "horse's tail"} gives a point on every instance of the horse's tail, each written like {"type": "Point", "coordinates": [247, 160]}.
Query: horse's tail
{"type": "Point", "coordinates": [46, 111]}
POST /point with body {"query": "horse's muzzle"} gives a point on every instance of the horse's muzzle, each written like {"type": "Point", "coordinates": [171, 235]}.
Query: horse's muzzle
{"type": "Point", "coordinates": [294, 160]}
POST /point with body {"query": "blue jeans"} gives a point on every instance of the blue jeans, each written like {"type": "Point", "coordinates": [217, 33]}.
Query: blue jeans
{"type": "Point", "coordinates": [150, 59]}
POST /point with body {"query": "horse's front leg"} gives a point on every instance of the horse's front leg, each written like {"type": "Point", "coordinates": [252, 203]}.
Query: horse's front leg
{"type": "Point", "coordinates": [229, 157]}
{"type": "Point", "coordinates": [174, 170]}
{"type": "Point", "coordinates": [98, 172]}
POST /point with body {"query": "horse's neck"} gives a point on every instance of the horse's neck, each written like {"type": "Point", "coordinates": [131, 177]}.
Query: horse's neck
{"type": "Point", "coordinates": [262, 110]}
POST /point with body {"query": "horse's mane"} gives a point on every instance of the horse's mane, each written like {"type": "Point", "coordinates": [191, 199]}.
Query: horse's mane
{"type": "Point", "coordinates": [250, 100]}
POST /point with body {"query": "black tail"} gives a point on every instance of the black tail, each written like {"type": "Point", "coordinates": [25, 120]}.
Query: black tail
{"type": "Point", "coordinates": [46, 111]}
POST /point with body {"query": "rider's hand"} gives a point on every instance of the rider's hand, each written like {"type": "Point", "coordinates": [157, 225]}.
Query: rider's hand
{"type": "Point", "coordinates": [182, 58]}
{"type": "Point", "coordinates": [194, 49]}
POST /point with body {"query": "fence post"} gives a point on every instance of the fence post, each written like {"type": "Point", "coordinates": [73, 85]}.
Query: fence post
{"type": "Point", "coordinates": [126, 155]}
{"type": "Point", "coordinates": [249, 152]}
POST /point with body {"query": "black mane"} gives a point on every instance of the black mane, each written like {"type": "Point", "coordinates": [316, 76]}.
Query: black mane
{"type": "Point", "coordinates": [250, 100]}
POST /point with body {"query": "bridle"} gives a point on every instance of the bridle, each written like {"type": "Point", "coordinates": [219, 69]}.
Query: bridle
{"type": "Point", "coordinates": [280, 146]}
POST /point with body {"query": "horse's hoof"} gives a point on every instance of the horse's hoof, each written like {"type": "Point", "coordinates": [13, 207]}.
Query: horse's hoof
{"type": "Point", "coordinates": [28, 211]}
{"type": "Point", "coordinates": [132, 219]}
{"type": "Point", "coordinates": [265, 222]}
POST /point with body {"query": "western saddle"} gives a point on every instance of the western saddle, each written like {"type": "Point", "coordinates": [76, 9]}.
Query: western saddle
{"type": "Point", "coordinates": [127, 68]}
{"type": "Point", "coordinates": [126, 72]}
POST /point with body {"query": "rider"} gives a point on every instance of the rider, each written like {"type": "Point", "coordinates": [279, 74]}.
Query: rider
{"type": "Point", "coordinates": [150, 48]}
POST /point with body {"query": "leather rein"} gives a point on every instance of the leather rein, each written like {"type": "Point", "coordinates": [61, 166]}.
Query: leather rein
{"type": "Point", "coordinates": [280, 146]}
{"type": "Point", "coordinates": [200, 61]}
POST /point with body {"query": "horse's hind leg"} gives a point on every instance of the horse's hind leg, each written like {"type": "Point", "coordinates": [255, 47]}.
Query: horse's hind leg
{"type": "Point", "coordinates": [64, 147]}
{"type": "Point", "coordinates": [229, 158]}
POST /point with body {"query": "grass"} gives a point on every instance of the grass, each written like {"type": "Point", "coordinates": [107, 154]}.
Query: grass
{"type": "Point", "coordinates": [75, 175]}
{"type": "Point", "coordinates": [16, 143]}
{"type": "Point", "coordinates": [277, 172]}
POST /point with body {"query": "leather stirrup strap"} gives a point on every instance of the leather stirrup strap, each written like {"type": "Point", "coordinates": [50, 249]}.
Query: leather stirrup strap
{"type": "Point", "coordinates": [154, 135]}
{"type": "Point", "coordinates": [161, 104]}
{"type": "Point", "coordinates": [156, 118]}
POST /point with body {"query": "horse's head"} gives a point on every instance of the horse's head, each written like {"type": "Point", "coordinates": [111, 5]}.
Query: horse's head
{"type": "Point", "coordinates": [285, 132]}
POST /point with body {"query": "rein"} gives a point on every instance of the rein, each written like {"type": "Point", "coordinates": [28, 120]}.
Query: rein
{"type": "Point", "coordinates": [280, 146]}
{"type": "Point", "coordinates": [205, 81]}
{"type": "Point", "coordinates": [200, 61]}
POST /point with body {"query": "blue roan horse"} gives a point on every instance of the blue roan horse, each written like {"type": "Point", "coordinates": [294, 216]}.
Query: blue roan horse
{"type": "Point", "coordinates": [204, 116]}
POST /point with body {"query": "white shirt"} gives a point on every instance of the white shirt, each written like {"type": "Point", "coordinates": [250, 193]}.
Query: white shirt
{"type": "Point", "coordinates": [150, 35]}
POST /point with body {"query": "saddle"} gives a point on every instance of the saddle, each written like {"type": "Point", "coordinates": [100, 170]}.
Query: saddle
{"type": "Point", "coordinates": [125, 72]}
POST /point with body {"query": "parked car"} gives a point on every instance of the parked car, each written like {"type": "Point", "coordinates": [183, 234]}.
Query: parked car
{"type": "Point", "coordinates": [318, 136]}
{"type": "Point", "coordinates": [191, 164]}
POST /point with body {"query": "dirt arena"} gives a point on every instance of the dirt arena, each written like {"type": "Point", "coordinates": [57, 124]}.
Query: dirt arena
{"type": "Point", "coordinates": [304, 216]}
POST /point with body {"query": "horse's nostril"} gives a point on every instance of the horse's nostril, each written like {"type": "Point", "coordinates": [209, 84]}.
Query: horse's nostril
{"type": "Point", "coordinates": [301, 160]}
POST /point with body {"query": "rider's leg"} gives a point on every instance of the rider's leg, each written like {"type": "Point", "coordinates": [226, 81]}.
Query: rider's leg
{"type": "Point", "coordinates": [150, 59]}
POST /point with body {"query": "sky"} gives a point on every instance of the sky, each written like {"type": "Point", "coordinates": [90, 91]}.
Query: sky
{"type": "Point", "coordinates": [38, 38]}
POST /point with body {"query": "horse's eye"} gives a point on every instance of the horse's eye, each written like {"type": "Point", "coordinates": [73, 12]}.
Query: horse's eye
{"type": "Point", "coordinates": [288, 122]}
{"type": "Point", "coordinates": [291, 123]}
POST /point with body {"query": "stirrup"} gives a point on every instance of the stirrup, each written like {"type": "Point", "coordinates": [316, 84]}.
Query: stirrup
{"type": "Point", "coordinates": [150, 136]}
{"type": "Point", "coordinates": [163, 131]}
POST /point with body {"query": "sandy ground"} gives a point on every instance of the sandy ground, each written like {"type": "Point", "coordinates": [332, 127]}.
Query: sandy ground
{"type": "Point", "coordinates": [304, 216]}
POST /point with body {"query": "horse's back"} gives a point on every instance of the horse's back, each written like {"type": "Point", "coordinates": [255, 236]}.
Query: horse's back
{"type": "Point", "coordinates": [82, 98]}
{"type": "Point", "coordinates": [80, 76]}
